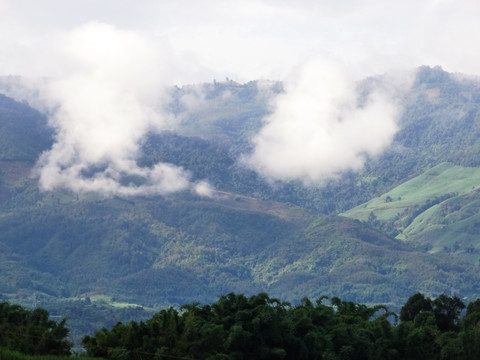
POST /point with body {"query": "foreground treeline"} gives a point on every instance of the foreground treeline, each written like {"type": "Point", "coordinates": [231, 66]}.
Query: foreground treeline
{"type": "Point", "coordinates": [259, 327]}
{"type": "Point", "coordinates": [6, 354]}
{"type": "Point", "coordinates": [32, 331]}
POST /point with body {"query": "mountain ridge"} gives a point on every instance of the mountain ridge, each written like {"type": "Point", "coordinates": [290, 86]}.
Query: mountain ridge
{"type": "Point", "coordinates": [252, 235]}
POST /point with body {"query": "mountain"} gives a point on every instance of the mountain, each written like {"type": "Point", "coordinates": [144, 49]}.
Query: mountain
{"type": "Point", "coordinates": [24, 132]}
{"type": "Point", "coordinates": [429, 200]}
{"type": "Point", "coordinates": [405, 223]}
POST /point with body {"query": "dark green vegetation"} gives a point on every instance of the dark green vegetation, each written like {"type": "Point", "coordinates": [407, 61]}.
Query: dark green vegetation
{"type": "Point", "coordinates": [260, 327]}
{"type": "Point", "coordinates": [15, 355]}
{"type": "Point", "coordinates": [32, 332]}
{"type": "Point", "coordinates": [85, 316]}
{"type": "Point", "coordinates": [412, 215]}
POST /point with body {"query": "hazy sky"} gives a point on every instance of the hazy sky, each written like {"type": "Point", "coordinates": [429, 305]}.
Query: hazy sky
{"type": "Point", "coordinates": [246, 40]}
{"type": "Point", "coordinates": [109, 62]}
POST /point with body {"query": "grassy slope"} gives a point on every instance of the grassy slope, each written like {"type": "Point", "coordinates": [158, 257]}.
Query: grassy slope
{"type": "Point", "coordinates": [436, 210]}
{"type": "Point", "coordinates": [450, 227]}
{"type": "Point", "coordinates": [439, 181]}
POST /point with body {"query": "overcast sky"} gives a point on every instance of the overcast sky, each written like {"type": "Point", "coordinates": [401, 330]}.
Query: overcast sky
{"type": "Point", "coordinates": [246, 39]}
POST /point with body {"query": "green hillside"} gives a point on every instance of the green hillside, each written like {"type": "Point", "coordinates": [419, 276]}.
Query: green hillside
{"type": "Point", "coordinates": [408, 219]}
{"type": "Point", "coordinates": [226, 113]}
{"type": "Point", "coordinates": [436, 211]}
{"type": "Point", "coordinates": [433, 186]}
{"type": "Point", "coordinates": [23, 132]}
{"type": "Point", "coordinates": [156, 252]}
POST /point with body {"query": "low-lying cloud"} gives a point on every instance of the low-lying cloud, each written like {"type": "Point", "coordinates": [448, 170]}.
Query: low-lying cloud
{"type": "Point", "coordinates": [108, 81]}
{"type": "Point", "coordinates": [111, 95]}
{"type": "Point", "coordinates": [321, 126]}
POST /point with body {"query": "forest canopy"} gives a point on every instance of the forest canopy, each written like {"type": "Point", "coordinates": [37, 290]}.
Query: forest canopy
{"type": "Point", "coordinates": [261, 327]}
{"type": "Point", "coordinates": [32, 331]}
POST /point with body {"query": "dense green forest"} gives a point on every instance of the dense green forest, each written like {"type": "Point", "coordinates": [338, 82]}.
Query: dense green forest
{"type": "Point", "coordinates": [261, 327]}
{"type": "Point", "coordinates": [32, 331]}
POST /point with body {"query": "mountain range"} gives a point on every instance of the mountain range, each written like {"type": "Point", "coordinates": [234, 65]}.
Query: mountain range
{"type": "Point", "coordinates": [406, 222]}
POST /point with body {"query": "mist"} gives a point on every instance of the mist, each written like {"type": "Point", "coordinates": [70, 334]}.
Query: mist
{"type": "Point", "coordinates": [109, 63]}
{"type": "Point", "coordinates": [110, 96]}
{"type": "Point", "coordinates": [320, 127]}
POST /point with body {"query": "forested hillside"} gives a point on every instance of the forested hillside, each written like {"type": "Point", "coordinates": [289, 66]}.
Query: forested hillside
{"type": "Point", "coordinates": [408, 219]}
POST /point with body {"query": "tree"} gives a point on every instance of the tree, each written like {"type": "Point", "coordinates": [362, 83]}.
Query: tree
{"type": "Point", "coordinates": [32, 332]}
{"type": "Point", "coordinates": [447, 311]}
{"type": "Point", "coordinates": [414, 305]}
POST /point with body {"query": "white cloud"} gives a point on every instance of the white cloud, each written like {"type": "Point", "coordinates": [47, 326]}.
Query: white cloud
{"type": "Point", "coordinates": [105, 77]}
{"type": "Point", "coordinates": [318, 129]}
{"type": "Point", "coordinates": [107, 100]}
{"type": "Point", "coordinates": [204, 189]}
